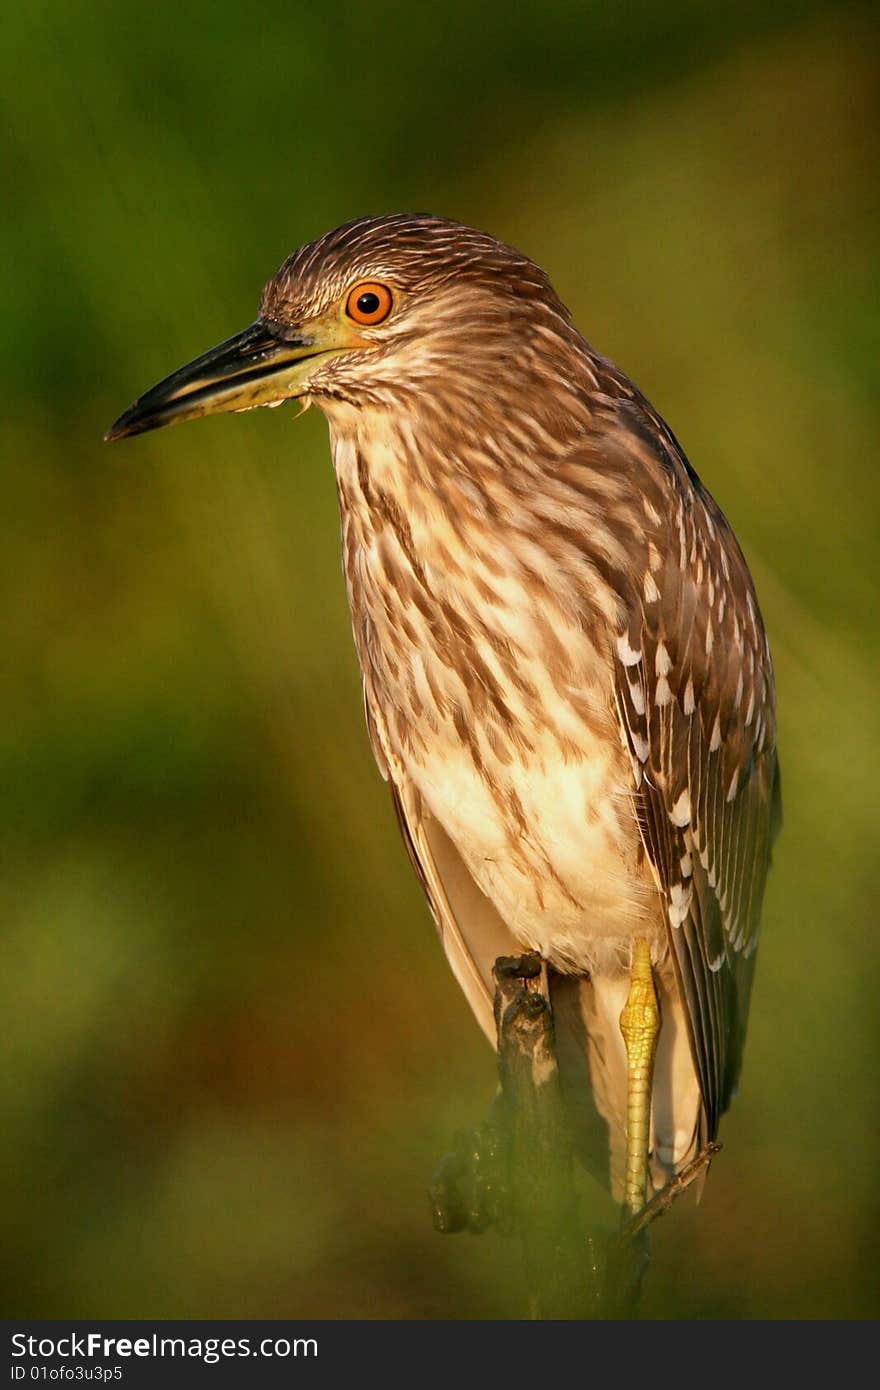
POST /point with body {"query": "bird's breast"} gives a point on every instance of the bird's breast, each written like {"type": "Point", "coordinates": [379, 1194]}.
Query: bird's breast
{"type": "Point", "coordinates": [492, 700]}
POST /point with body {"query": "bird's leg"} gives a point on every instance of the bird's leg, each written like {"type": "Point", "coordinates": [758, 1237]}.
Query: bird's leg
{"type": "Point", "coordinates": [640, 1026]}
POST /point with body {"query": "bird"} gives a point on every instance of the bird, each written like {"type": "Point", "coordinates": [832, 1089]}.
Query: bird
{"type": "Point", "coordinates": [566, 677]}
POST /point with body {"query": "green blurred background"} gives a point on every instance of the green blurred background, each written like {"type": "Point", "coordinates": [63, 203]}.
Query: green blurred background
{"type": "Point", "coordinates": [234, 1051]}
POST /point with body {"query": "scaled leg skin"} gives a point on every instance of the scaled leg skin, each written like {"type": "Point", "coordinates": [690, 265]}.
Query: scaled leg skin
{"type": "Point", "coordinates": [640, 1026]}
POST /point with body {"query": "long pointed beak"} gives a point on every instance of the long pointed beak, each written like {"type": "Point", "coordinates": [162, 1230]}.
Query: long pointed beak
{"type": "Point", "coordinates": [256, 367]}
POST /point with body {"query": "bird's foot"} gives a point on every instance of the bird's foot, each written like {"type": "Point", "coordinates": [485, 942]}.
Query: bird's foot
{"type": "Point", "coordinates": [664, 1199]}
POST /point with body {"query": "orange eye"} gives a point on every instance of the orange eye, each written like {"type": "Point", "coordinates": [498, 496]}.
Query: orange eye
{"type": "Point", "coordinates": [369, 303]}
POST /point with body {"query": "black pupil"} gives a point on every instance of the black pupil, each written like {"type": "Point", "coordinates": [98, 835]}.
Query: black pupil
{"type": "Point", "coordinates": [368, 303]}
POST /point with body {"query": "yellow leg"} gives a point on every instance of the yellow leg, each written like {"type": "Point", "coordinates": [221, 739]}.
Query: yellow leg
{"type": "Point", "coordinates": [640, 1026]}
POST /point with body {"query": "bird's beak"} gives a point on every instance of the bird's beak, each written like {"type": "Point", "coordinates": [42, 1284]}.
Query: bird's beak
{"type": "Point", "coordinates": [256, 367]}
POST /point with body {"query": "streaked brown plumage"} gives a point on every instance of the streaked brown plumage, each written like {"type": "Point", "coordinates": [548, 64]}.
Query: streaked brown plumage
{"type": "Point", "coordinates": [566, 678]}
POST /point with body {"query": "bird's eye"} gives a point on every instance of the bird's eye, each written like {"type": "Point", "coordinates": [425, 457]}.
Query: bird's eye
{"type": "Point", "coordinates": [369, 303]}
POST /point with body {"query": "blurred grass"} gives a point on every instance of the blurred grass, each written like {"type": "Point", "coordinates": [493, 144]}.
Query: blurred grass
{"type": "Point", "coordinates": [234, 1051]}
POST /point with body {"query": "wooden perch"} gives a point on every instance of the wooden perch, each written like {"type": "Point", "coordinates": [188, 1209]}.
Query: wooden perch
{"type": "Point", "coordinates": [516, 1170]}
{"type": "Point", "coordinates": [558, 1263]}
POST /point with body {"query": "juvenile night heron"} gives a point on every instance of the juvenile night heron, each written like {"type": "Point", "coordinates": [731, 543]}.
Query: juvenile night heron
{"type": "Point", "coordinates": [566, 677]}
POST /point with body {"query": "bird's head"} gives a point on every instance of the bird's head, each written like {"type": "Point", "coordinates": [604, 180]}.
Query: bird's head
{"type": "Point", "coordinates": [376, 312]}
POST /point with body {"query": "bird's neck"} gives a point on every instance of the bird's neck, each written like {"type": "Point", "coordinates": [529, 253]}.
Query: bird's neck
{"type": "Point", "coordinates": [457, 581]}
{"type": "Point", "coordinates": [445, 496]}
{"type": "Point", "coordinates": [452, 457]}
{"type": "Point", "coordinates": [479, 517]}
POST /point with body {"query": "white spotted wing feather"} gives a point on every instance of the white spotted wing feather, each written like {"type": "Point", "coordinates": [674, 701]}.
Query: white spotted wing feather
{"type": "Point", "coordinates": [696, 704]}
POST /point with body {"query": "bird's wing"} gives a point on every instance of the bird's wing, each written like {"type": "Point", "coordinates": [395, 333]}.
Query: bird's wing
{"type": "Point", "coordinates": [695, 698]}
{"type": "Point", "coordinates": [470, 930]}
